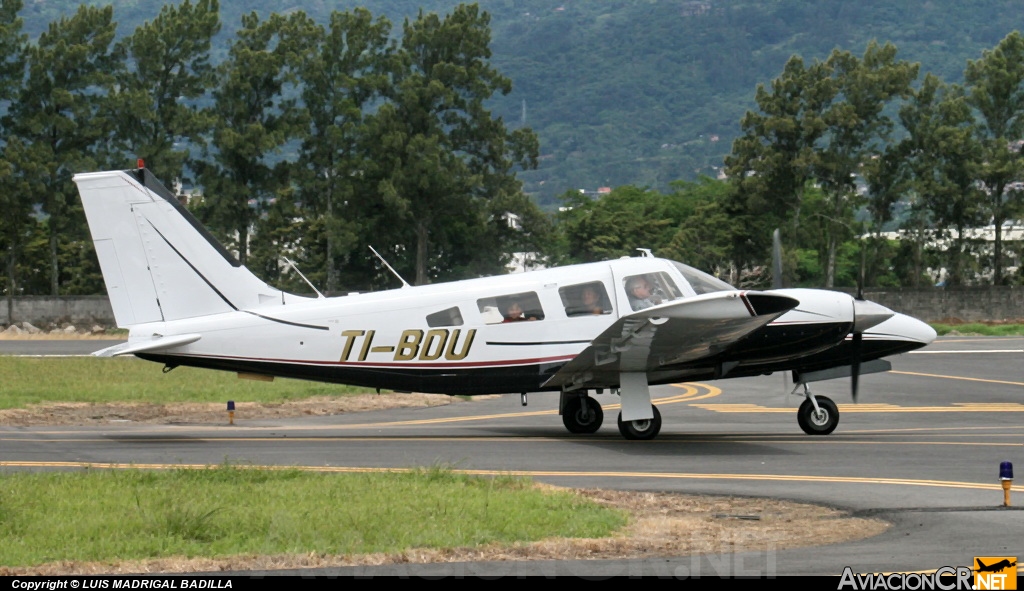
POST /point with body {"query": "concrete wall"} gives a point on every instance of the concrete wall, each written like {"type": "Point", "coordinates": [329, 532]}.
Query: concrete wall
{"type": "Point", "coordinates": [43, 310]}
{"type": "Point", "coordinates": [969, 304]}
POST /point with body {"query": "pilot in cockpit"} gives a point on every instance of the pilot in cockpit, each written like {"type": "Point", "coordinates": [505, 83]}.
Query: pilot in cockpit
{"type": "Point", "coordinates": [641, 293]}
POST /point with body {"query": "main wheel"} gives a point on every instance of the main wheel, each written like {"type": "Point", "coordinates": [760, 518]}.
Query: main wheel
{"type": "Point", "coordinates": [574, 419]}
{"type": "Point", "coordinates": [644, 429]}
{"type": "Point", "coordinates": [821, 423]}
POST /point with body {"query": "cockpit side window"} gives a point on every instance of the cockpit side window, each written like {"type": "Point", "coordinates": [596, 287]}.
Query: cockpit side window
{"type": "Point", "coordinates": [650, 289]}
{"type": "Point", "coordinates": [585, 299]}
{"type": "Point", "coordinates": [448, 317]}
{"type": "Point", "coordinates": [511, 308]}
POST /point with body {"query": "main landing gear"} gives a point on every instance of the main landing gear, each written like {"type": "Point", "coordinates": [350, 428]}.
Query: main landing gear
{"type": "Point", "coordinates": [582, 414]}
{"type": "Point", "coordinates": [817, 415]}
{"type": "Point", "coordinates": [643, 428]}
{"type": "Point", "coordinates": [639, 419]}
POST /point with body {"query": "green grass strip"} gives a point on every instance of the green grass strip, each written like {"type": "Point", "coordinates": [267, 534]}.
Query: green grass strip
{"type": "Point", "coordinates": [36, 380]}
{"type": "Point", "coordinates": [103, 515]}
{"type": "Point", "coordinates": [988, 330]}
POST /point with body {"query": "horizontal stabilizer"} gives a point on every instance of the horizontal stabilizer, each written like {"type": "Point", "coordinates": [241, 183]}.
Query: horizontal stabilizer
{"type": "Point", "coordinates": [156, 343]}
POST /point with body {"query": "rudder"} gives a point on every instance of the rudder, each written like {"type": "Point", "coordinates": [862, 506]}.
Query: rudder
{"type": "Point", "coordinates": [158, 262]}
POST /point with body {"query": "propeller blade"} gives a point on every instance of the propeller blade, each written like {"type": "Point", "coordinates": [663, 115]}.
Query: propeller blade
{"type": "Point", "coordinates": [855, 364]}
{"type": "Point", "coordinates": [776, 260]}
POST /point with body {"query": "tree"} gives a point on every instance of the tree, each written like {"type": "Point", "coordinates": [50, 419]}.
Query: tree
{"type": "Point", "coordinates": [942, 151]}
{"type": "Point", "coordinates": [343, 73]}
{"type": "Point", "coordinates": [888, 181]}
{"type": "Point", "coordinates": [614, 225]}
{"type": "Point", "coordinates": [155, 108]}
{"type": "Point", "coordinates": [440, 155]}
{"type": "Point", "coordinates": [776, 155]}
{"type": "Point", "coordinates": [71, 70]}
{"type": "Point", "coordinates": [708, 235]}
{"type": "Point", "coordinates": [996, 91]}
{"type": "Point", "coordinates": [254, 120]}
{"type": "Point", "coordinates": [857, 131]}
{"type": "Point", "coordinates": [16, 219]}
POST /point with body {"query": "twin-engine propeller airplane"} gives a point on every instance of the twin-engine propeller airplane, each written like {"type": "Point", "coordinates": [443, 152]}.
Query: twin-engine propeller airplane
{"type": "Point", "coordinates": [620, 325]}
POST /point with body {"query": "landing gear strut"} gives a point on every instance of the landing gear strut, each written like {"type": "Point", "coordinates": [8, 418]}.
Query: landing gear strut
{"type": "Point", "coordinates": [817, 415]}
{"type": "Point", "coordinates": [639, 418]}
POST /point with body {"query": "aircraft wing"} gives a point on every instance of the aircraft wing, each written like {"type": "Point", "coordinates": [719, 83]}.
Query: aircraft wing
{"type": "Point", "coordinates": [675, 332]}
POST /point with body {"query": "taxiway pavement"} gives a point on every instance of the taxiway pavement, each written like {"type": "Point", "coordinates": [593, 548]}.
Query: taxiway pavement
{"type": "Point", "coordinates": [921, 449]}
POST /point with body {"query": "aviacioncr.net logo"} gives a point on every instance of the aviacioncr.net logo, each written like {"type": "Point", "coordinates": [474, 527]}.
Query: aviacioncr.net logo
{"type": "Point", "coordinates": [946, 578]}
{"type": "Point", "coordinates": [995, 572]}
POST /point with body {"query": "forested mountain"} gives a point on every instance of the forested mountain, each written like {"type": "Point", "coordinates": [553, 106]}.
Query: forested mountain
{"type": "Point", "coordinates": [649, 91]}
{"type": "Point", "coordinates": [316, 130]}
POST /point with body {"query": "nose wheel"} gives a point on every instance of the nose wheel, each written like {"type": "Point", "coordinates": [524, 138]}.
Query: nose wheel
{"type": "Point", "coordinates": [818, 421]}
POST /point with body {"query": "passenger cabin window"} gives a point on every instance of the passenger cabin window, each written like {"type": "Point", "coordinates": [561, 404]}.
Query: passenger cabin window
{"type": "Point", "coordinates": [449, 317]}
{"type": "Point", "coordinates": [514, 307]}
{"type": "Point", "coordinates": [585, 299]}
{"type": "Point", "coordinates": [650, 289]}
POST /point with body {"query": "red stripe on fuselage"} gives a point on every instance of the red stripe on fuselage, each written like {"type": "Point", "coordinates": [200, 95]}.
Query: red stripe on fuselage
{"type": "Point", "coordinates": [409, 365]}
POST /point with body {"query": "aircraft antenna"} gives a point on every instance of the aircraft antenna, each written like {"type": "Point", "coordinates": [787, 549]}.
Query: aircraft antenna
{"type": "Point", "coordinates": [393, 272]}
{"type": "Point", "coordinates": [320, 296]}
{"type": "Point", "coordinates": [646, 252]}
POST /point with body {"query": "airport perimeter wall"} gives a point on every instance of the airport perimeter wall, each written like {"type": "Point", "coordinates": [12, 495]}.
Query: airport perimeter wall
{"type": "Point", "coordinates": [969, 304]}
{"type": "Point", "coordinates": [41, 311]}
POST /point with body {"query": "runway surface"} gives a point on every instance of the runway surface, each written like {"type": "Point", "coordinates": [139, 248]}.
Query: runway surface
{"type": "Point", "coordinates": [921, 450]}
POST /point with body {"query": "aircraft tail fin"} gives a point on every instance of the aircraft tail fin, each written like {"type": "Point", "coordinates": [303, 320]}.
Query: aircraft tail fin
{"type": "Point", "coordinates": [159, 263]}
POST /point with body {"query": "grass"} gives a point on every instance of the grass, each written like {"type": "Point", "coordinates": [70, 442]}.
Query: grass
{"type": "Point", "coordinates": [989, 330]}
{"type": "Point", "coordinates": [105, 515]}
{"type": "Point", "coordinates": [32, 380]}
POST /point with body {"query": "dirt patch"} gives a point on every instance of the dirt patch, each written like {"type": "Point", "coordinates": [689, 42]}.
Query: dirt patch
{"type": "Point", "coordinates": [81, 413]}
{"type": "Point", "coordinates": [661, 525]}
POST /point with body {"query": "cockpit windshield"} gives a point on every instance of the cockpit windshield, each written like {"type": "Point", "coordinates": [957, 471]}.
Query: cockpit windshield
{"type": "Point", "coordinates": [700, 281]}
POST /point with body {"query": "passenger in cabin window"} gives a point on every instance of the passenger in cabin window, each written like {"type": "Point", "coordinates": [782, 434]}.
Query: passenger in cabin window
{"type": "Point", "coordinates": [514, 313]}
{"type": "Point", "coordinates": [591, 301]}
{"type": "Point", "coordinates": [640, 293]}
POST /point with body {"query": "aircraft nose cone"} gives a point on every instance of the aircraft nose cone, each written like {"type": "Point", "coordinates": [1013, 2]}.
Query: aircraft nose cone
{"type": "Point", "coordinates": [908, 328]}
{"type": "Point", "coordinates": [925, 333]}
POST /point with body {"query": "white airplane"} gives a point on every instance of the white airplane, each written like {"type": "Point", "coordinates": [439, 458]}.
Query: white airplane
{"type": "Point", "coordinates": [620, 325]}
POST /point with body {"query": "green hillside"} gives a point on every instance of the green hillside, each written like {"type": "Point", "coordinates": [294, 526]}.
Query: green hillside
{"type": "Point", "coordinates": [649, 91]}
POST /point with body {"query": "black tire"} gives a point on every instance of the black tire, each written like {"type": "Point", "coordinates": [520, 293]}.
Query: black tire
{"type": "Point", "coordinates": [573, 419]}
{"type": "Point", "coordinates": [641, 430]}
{"type": "Point", "coordinates": [818, 425]}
